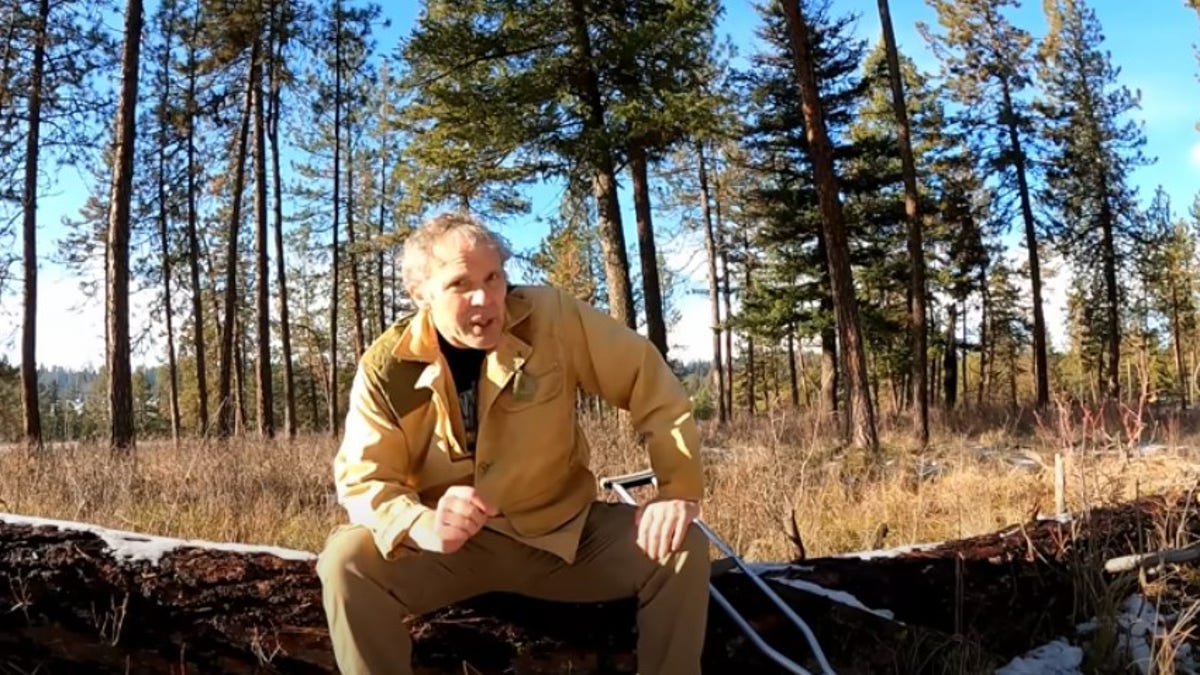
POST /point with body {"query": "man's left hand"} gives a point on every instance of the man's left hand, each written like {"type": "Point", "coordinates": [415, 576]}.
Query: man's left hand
{"type": "Point", "coordinates": [663, 524]}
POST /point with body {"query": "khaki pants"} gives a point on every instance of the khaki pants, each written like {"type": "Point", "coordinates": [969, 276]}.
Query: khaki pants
{"type": "Point", "coordinates": [366, 597]}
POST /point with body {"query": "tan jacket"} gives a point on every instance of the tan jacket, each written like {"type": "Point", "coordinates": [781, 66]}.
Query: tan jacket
{"type": "Point", "coordinates": [403, 441]}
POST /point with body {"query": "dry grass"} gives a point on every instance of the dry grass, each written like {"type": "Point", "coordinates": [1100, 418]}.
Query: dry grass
{"type": "Point", "coordinates": [762, 478]}
{"type": "Point", "coordinates": [768, 481]}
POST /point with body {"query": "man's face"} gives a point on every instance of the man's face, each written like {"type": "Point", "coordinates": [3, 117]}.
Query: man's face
{"type": "Point", "coordinates": [465, 292]}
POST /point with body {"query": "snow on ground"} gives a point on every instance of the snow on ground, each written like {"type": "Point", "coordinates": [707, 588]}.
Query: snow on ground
{"type": "Point", "coordinates": [134, 546]}
{"type": "Point", "coordinates": [1055, 658]}
{"type": "Point", "coordinates": [1139, 626]}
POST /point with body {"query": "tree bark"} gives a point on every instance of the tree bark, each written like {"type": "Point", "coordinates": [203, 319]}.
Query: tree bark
{"type": "Point", "coordinates": [860, 413]}
{"type": "Point", "coordinates": [239, 378]}
{"type": "Point", "coordinates": [1111, 291]}
{"type": "Point", "coordinates": [31, 412]}
{"type": "Point", "coordinates": [264, 396]}
{"type": "Point", "coordinates": [334, 300]}
{"type": "Point", "coordinates": [164, 247]}
{"type": "Point", "coordinates": [120, 382]}
{"type": "Point", "coordinates": [656, 327]}
{"type": "Point", "coordinates": [916, 248]}
{"type": "Point", "coordinates": [985, 339]}
{"type": "Point", "coordinates": [950, 360]}
{"type": "Point", "coordinates": [78, 606]}
{"type": "Point", "coordinates": [380, 296]}
{"type": "Point", "coordinates": [225, 413]}
{"type": "Point", "coordinates": [604, 175]}
{"type": "Point", "coordinates": [356, 304]}
{"type": "Point", "coordinates": [193, 236]}
{"type": "Point", "coordinates": [714, 299]}
{"type": "Point", "coordinates": [102, 601]}
{"type": "Point", "coordinates": [285, 330]}
{"type": "Point", "coordinates": [723, 241]}
{"type": "Point", "coordinates": [1041, 372]}
{"type": "Point", "coordinates": [1177, 347]}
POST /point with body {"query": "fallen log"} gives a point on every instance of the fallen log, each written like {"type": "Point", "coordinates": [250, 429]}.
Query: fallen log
{"type": "Point", "coordinates": [79, 599]}
{"type": "Point", "coordinates": [87, 599]}
{"type": "Point", "coordinates": [1008, 590]}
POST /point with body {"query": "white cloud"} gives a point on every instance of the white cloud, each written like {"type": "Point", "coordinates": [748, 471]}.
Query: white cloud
{"type": "Point", "coordinates": [1194, 155]}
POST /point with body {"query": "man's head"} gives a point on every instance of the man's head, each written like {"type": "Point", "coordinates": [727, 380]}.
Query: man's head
{"type": "Point", "coordinates": [454, 267]}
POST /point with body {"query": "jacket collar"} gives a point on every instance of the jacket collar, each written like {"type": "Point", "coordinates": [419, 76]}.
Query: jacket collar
{"type": "Point", "coordinates": [419, 341]}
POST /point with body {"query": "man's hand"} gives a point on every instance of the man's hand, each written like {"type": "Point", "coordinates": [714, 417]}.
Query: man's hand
{"type": "Point", "coordinates": [460, 513]}
{"type": "Point", "coordinates": [663, 524]}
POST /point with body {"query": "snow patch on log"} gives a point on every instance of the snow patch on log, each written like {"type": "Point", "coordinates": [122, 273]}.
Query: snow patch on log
{"type": "Point", "coordinates": [777, 573]}
{"type": "Point", "coordinates": [132, 546]}
{"type": "Point", "coordinates": [890, 552]}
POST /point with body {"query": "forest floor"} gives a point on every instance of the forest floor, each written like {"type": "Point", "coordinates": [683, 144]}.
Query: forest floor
{"type": "Point", "coordinates": [780, 488]}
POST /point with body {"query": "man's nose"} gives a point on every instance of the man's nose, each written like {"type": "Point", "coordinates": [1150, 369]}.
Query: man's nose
{"type": "Point", "coordinates": [478, 297]}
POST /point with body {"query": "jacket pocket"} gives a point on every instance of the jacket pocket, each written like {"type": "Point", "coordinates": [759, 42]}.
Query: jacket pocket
{"type": "Point", "coordinates": [530, 389]}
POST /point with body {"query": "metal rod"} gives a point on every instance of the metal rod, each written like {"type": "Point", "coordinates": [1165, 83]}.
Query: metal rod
{"type": "Point", "coordinates": [618, 484]}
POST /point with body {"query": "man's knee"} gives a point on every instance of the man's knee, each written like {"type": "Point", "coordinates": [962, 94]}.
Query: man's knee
{"type": "Point", "coordinates": [347, 555]}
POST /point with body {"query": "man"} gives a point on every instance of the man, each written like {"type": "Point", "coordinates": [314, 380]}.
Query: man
{"type": "Point", "coordinates": [463, 468]}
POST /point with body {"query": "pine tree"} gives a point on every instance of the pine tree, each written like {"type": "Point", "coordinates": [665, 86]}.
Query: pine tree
{"type": "Point", "coordinates": [120, 394]}
{"type": "Point", "coordinates": [860, 413]}
{"type": "Point", "coordinates": [987, 65]}
{"type": "Point", "coordinates": [1095, 147]}
{"type": "Point", "coordinates": [916, 249]}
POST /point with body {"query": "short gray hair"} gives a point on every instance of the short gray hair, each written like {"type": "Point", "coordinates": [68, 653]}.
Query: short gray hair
{"type": "Point", "coordinates": [418, 247]}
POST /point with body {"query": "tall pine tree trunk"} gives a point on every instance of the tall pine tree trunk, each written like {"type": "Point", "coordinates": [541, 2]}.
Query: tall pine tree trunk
{"type": "Point", "coordinates": [334, 263]}
{"type": "Point", "coordinates": [29, 386]}
{"type": "Point", "coordinates": [722, 241]}
{"type": "Point", "coordinates": [239, 378]}
{"type": "Point", "coordinates": [1177, 347]}
{"type": "Point", "coordinates": [193, 236]}
{"type": "Point", "coordinates": [285, 329]}
{"type": "Point", "coordinates": [751, 376]}
{"type": "Point", "coordinates": [379, 280]}
{"type": "Point", "coordinates": [1112, 309]}
{"type": "Point", "coordinates": [225, 413]}
{"type": "Point", "coordinates": [916, 248]}
{"type": "Point", "coordinates": [985, 338]}
{"type": "Point", "coordinates": [829, 358]}
{"type": "Point", "coordinates": [604, 178]}
{"type": "Point", "coordinates": [714, 299]}
{"type": "Point", "coordinates": [1019, 163]}
{"type": "Point", "coordinates": [120, 381]}
{"type": "Point", "coordinates": [656, 327]}
{"type": "Point", "coordinates": [950, 361]}
{"type": "Point", "coordinates": [966, 356]}
{"type": "Point", "coordinates": [264, 395]}
{"type": "Point", "coordinates": [163, 239]}
{"type": "Point", "coordinates": [860, 412]}
{"type": "Point", "coordinates": [793, 378]}
{"type": "Point", "coordinates": [356, 306]}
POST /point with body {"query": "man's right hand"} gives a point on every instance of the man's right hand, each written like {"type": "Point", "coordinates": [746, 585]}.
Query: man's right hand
{"type": "Point", "coordinates": [460, 513]}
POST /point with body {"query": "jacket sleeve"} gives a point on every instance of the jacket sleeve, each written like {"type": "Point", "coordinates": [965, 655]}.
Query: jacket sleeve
{"type": "Point", "coordinates": [627, 370]}
{"type": "Point", "coordinates": [371, 468]}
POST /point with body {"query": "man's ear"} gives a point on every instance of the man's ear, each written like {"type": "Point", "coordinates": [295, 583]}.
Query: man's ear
{"type": "Point", "coordinates": [418, 295]}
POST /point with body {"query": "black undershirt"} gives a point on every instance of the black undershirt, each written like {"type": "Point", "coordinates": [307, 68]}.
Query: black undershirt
{"type": "Point", "coordinates": [465, 365]}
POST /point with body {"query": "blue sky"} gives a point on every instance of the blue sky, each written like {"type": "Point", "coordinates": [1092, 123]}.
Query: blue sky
{"type": "Point", "coordinates": [1152, 42]}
